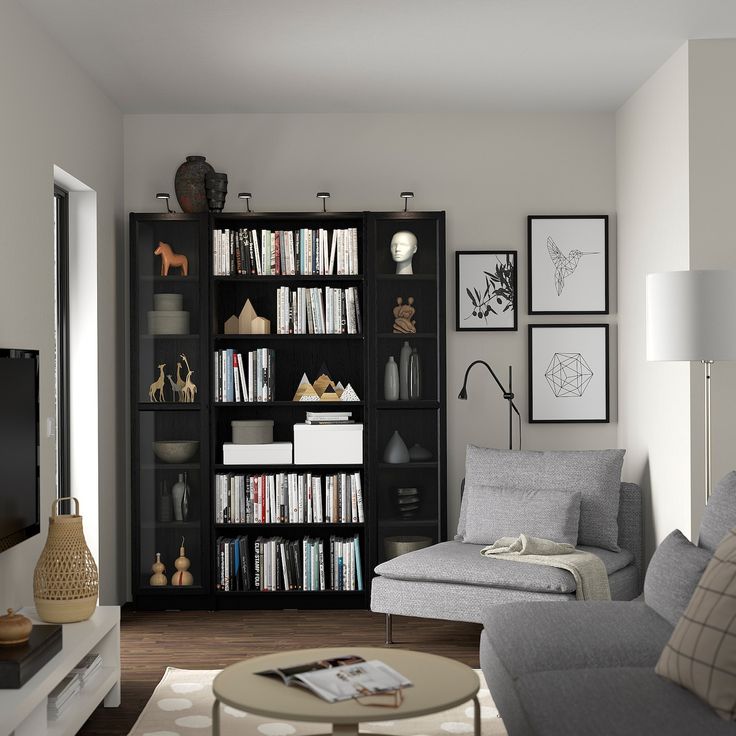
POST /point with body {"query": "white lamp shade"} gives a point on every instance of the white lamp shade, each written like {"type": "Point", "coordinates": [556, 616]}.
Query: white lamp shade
{"type": "Point", "coordinates": [691, 315]}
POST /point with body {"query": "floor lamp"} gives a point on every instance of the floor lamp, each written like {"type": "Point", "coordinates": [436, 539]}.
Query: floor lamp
{"type": "Point", "coordinates": [507, 394]}
{"type": "Point", "coordinates": [691, 316]}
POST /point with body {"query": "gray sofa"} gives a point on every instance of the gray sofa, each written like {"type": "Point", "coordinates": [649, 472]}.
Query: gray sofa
{"type": "Point", "coordinates": [589, 668]}
{"type": "Point", "coordinates": [451, 580]}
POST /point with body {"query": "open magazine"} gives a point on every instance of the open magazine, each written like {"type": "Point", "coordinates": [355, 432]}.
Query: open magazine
{"type": "Point", "coordinates": [342, 678]}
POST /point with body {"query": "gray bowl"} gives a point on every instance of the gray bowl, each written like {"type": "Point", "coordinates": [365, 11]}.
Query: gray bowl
{"type": "Point", "coordinates": [175, 451]}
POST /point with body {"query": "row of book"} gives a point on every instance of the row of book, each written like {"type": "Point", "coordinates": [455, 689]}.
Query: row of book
{"type": "Point", "coordinates": [244, 377]}
{"type": "Point", "coordinates": [246, 251]}
{"type": "Point", "coordinates": [288, 498]}
{"type": "Point", "coordinates": [281, 564]}
{"type": "Point", "coordinates": [63, 694]}
{"type": "Point", "coordinates": [315, 311]}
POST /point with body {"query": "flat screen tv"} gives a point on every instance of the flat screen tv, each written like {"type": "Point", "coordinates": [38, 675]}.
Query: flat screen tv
{"type": "Point", "coordinates": [19, 446]}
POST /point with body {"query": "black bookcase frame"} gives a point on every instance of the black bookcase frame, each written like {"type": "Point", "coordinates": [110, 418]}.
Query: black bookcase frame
{"type": "Point", "coordinates": [375, 278]}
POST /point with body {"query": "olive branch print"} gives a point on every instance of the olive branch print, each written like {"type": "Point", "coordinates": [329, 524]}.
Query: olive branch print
{"type": "Point", "coordinates": [498, 295]}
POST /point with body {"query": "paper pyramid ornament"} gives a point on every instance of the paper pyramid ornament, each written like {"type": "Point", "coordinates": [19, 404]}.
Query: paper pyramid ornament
{"type": "Point", "coordinates": [321, 384]}
{"type": "Point", "coordinates": [349, 394]}
{"type": "Point", "coordinates": [339, 388]}
{"type": "Point", "coordinates": [232, 325]}
{"type": "Point", "coordinates": [245, 320]}
{"type": "Point", "coordinates": [329, 394]}
{"type": "Point", "coordinates": [305, 391]}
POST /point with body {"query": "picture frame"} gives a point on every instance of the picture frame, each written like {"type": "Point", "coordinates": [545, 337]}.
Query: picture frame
{"type": "Point", "coordinates": [569, 373]}
{"type": "Point", "coordinates": [486, 293]}
{"type": "Point", "coordinates": [567, 264]}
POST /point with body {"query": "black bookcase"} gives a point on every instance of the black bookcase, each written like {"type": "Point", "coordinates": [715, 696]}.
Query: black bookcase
{"type": "Point", "coordinates": [358, 359]}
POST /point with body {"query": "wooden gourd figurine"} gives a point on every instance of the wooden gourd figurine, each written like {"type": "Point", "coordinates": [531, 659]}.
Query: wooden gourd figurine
{"type": "Point", "coordinates": [182, 576]}
{"type": "Point", "coordinates": [157, 387]}
{"type": "Point", "coordinates": [158, 570]}
{"type": "Point", "coordinates": [169, 259]}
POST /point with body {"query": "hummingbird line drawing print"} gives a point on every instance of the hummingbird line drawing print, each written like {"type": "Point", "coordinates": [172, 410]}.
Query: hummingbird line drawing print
{"type": "Point", "coordinates": [568, 264]}
{"type": "Point", "coordinates": [565, 265]}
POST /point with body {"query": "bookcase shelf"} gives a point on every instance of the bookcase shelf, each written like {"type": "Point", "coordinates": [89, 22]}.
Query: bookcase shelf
{"type": "Point", "coordinates": [358, 359]}
{"type": "Point", "coordinates": [284, 338]}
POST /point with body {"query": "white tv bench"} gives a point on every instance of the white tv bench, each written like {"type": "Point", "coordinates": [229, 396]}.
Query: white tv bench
{"type": "Point", "coordinates": [24, 709]}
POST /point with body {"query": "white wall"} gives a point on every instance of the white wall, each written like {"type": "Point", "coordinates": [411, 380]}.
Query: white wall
{"type": "Point", "coordinates": [487, 171]}
{"type": "Point", "coordinates": [712, 238]}
{"type": "Point", "coordinates": [652, 189]}
{"type": "Point", "coordinates": [52, 114]}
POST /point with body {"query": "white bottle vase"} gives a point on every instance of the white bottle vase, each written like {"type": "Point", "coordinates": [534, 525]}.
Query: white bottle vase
{"type": "Point", "coordinates": [391, 380]}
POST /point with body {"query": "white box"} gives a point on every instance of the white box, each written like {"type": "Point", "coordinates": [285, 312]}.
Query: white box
{"type": "Point", "coordinates": [274, 453]}
{"type": "Point", "coordinates": [328, 444]}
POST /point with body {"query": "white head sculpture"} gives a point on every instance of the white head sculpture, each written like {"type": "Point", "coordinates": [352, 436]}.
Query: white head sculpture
{"type": "Point", "coordinates": [403, 248]}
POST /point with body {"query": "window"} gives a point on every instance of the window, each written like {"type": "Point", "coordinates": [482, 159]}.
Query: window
{"type": "Point", "coordinates": [61, 249]}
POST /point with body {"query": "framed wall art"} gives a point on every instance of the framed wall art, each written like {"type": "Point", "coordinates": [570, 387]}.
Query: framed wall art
{"type": "Point", "coordinates": [568, 264]}
{"type": "Point", "coordinates": [486, 296]}
{"type": "Point", "coordinates": [568, 373]}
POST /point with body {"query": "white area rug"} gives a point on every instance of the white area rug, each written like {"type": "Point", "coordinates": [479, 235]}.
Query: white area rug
{"type": "Point", "coordinates": [181, 705]}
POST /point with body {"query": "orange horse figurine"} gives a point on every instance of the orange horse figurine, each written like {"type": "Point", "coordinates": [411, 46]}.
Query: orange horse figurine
{"type": "Point", "coordinates": [169, 258]}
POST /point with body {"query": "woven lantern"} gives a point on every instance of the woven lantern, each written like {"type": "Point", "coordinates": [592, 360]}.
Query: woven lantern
{"type": "Point", "coordinates": [65, 581]}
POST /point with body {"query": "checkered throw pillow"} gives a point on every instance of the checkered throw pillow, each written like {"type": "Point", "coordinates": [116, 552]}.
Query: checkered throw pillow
{"type": "Point", "coordinates": [701, 653]}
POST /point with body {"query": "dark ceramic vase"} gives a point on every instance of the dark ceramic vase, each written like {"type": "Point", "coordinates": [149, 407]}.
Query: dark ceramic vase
{"type": "Point", "coordinates": [189, 184]}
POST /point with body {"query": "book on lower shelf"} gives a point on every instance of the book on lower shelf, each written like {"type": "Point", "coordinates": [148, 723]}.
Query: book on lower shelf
{"type": "Point", "coordinates": [309, 564]}
{"type": "Point", "coordinates": [272, 453]}
{"type": "Point", "coordinates": [288, 498]}
{"type": "Point", "coordinates": [233, 564]}
{"type": "Point", "coordinates": [87, 667]}
{"type": "Point", "coordinates": [244, 377]}
{"type": "Point", "coordinates": [59, 698]}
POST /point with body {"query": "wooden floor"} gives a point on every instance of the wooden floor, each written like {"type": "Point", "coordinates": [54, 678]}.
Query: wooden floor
{"type": "Point", "coordinates": [210, 640]}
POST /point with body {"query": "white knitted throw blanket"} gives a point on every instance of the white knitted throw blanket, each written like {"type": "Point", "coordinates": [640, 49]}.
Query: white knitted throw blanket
{"type": "Point", "coordinates": [591, 578]}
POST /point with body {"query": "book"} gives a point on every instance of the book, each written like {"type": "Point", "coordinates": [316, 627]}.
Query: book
{"type": "Point", "coordinates": [342, 678]}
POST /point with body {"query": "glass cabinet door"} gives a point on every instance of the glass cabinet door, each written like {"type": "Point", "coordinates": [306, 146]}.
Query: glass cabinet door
{"type": "Point", "coordinates": [169, 450]}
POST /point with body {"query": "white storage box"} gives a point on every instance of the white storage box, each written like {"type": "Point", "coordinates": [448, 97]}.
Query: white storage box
{"type": "Point", "coordinates": [273, 453]}
{"type": "Point", "coordinates": [328, 444]}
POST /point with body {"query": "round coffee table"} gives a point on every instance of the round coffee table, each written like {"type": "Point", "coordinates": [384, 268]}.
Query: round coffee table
{"type": "Point", "coordinates": [438, 684]}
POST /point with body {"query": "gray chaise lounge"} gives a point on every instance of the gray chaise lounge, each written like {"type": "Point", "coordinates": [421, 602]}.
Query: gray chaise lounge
{"type": "Point", "coordinates": [453, 581]}
{"type": "Point", "coordinates": [589, 668]}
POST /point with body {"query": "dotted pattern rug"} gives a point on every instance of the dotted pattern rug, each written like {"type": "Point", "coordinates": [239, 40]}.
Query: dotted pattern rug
{"type": "Point", "coordinates": [181, 705]}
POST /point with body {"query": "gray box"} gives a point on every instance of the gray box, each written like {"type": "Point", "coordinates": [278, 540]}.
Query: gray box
{"type": "Point", "coordinates": [253, 432]}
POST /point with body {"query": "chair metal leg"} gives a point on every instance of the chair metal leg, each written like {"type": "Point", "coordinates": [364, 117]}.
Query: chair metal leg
{"type": "Point", "coordinates": [389, 630]}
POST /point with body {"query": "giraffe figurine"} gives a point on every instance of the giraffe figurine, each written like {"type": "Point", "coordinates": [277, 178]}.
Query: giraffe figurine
{"type": "Point", "coordinates": [189, 389]}
{"type": "Point", "coordinates": [179, 385]}
{"type": "Point", "coordinates": [157, 387]}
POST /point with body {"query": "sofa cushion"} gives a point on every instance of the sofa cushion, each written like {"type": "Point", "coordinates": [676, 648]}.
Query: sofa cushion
{"type": "Point", "coordinates": [588, 634]}
{"type": "Point", "coordinates": [701, 653]}
{"type": "Point", "coordinates": [493, 513]}
{"type": "Point", "coordinates": [616, 701]}
{"type": "Point", "coordinates": [720, 513]}
{"type": "Point", "coordinates": [672, 575]}
{"type": "Point", "coordinates": [455, 562]}
{"type": "Point", "coordinates": [596, 474]}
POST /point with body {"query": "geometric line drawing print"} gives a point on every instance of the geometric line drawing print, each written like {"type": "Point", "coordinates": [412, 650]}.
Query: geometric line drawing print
{"type": "Point", "coordinates": [565, 265]}
{"type": "Point", "coordinates": [568, 375]}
